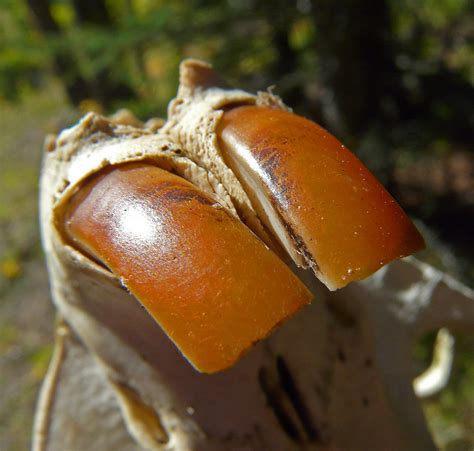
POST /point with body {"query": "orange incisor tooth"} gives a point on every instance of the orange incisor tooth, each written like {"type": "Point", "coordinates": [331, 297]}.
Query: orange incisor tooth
{"type": "Point", "coordinates": [212, 285]}
{"type": "Point", "coordinates": [325, 207]}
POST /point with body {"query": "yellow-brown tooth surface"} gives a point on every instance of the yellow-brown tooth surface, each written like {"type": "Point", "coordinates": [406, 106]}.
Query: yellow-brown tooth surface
{"type": "Point", "coordinates": [335, 212]}
{"type": "Point", "coordinates": [205, 278]}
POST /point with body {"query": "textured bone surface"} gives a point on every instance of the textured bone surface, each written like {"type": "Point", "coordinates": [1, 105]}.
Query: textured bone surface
{"type": "Point", "coordinates": [193, 117]}
{"type": "Point", "coordinates": [79, 410]}
{"type": "Point", "coordinates": [338, 376]}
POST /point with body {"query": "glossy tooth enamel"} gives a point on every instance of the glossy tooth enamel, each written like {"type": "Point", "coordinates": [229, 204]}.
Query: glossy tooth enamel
{"type": "Point", "coordinates": [324, 206]}
{"type": "Point", "coordinates": [261, 198]}
{"type": "Point", "coordinates": [214, 287]}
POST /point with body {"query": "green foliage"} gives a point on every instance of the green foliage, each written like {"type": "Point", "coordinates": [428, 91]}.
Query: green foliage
{"type": "Point", "coordinates": [141, 36]}
{"type": "Point", "coordinates": [136, 49]}
{"type": "Point", "coordinates": [451, 414]}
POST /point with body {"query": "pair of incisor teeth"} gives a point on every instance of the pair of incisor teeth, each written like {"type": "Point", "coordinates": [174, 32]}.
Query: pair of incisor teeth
{"type": "Point", "coordinates": [197, 218]}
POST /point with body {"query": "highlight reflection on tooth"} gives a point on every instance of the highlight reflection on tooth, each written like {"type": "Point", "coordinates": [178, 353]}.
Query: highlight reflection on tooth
{"type": "Point", "coordinates": [206, 279]}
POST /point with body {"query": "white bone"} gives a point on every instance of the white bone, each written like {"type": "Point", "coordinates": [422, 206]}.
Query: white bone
{"type": "Point", "coordinates": [336, 376]}
{"type": "Point", "coordinates": [436, 377]}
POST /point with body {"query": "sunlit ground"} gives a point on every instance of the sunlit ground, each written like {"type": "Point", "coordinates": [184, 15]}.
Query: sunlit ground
{"type": "Point", "coordinates": [26, 314]}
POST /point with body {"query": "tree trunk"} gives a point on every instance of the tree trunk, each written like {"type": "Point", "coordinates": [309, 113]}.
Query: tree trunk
{"type": "Point", "coordinates": [65, 65]}
{"type": "Point", "coordinates": [356, 62]}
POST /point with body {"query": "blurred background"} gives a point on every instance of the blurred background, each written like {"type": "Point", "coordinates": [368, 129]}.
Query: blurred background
{"type": "Point", "coordinates": [393, 79]}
